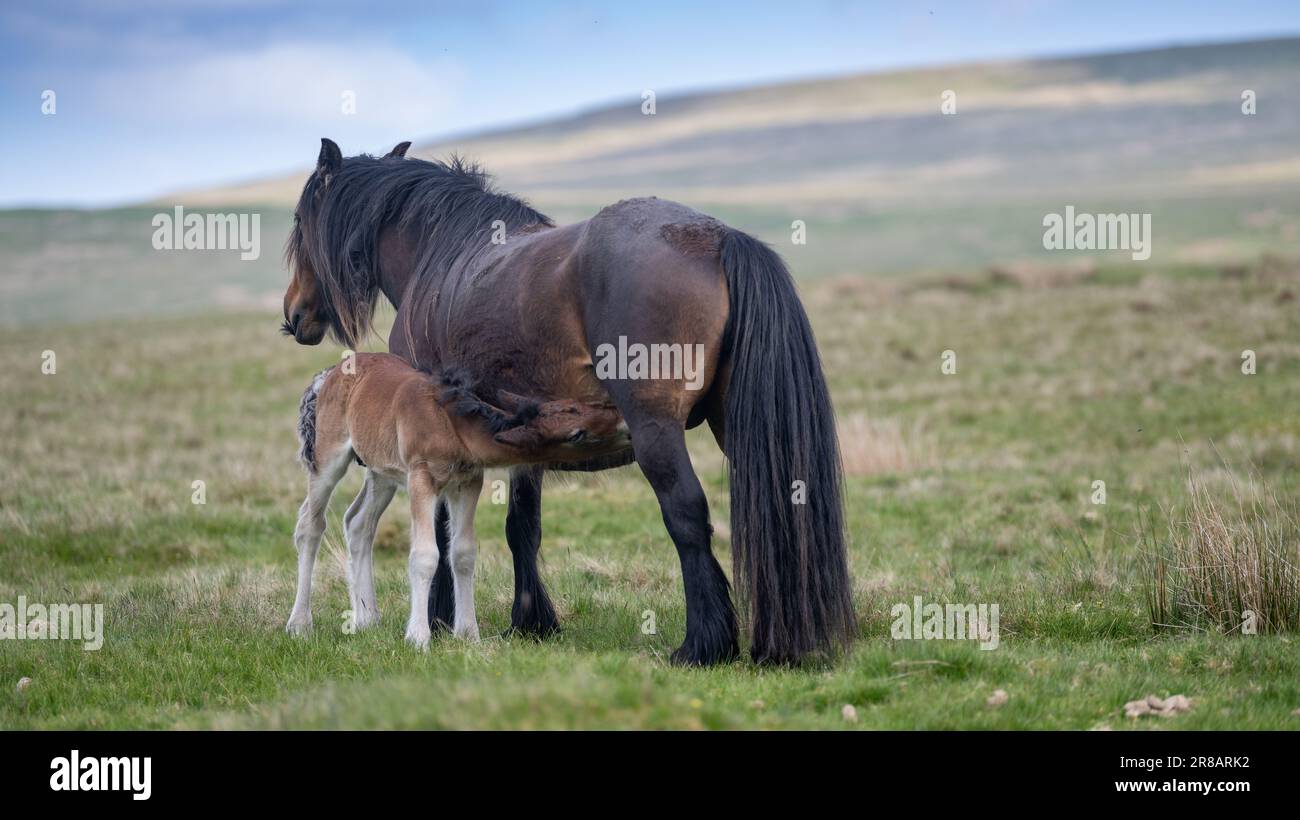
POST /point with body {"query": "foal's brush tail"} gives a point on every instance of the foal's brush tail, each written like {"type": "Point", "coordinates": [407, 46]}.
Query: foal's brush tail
{"type": "Point", "coordinates": [787, 538]}
{"type": "Point", "coordinates": [307, 421]}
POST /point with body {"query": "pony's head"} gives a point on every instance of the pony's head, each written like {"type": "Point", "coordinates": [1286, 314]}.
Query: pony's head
{"type": "Point", "coordinates": [325, 293]}
{"type": "Point", "coordinates": [306, 315]}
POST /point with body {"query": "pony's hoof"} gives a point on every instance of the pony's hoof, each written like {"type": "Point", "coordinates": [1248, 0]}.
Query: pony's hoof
{"type": "Point", "coordinates": [298, 626]}
{"type": "Point", "coordinates": [530, 635]}
{"type": "Point", "coordinates": [366, 621]}
{"type": "Point", "coordinates": [699, 653]}
{"type": "Point", "coordinates": [539, 629]}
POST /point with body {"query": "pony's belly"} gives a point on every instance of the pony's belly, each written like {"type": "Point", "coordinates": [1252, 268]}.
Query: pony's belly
{"type": "Point", "coordinates": [577, 452]}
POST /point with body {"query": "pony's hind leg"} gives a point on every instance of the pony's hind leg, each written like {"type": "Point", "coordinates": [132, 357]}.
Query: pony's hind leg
{"type": "Point", "coordinates": [360, 523]}
{"type": "Point", "coordinates": [307, 534]}
{"type": "Point", "coordinates": [464, 553]}
{"type": "Point", "coordinates": [711, 632]}
{"type": "Point", "coordinates": [423, 491]}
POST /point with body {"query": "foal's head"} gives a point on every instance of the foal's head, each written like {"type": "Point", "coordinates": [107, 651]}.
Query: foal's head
{"type": "Point", "coordinates": [564, 421]}
{"type": "Point", "coordinates": [310, 301]}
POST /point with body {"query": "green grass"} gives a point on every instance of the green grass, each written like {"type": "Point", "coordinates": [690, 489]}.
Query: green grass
{"type": "Point", "coordinates": [83, 266]}
{"type": "Point", "coordinates": [1131, 377]}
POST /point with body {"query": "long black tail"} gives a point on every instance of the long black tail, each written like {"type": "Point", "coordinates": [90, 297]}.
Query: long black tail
{"type": "Point", "coordinates": [787, 519]}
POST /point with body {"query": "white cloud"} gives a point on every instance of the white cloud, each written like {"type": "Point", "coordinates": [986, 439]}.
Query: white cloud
{"type": "Point", "coordinates": [291, 84]}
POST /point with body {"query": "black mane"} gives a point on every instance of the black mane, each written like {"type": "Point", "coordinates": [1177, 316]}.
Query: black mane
{"type": "Point", "coordinates": [460, 394]}
{"type": "Point", "coordinates": [450, 205]}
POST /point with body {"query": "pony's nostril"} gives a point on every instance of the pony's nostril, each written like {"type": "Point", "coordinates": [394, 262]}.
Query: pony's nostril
{"type": "Point", "coordinates": [577, 436]}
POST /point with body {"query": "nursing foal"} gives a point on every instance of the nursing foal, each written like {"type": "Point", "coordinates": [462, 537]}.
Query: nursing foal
{"type": "Point", "coordinates": [436, 436]}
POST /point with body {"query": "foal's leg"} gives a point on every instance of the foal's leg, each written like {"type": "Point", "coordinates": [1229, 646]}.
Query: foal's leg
{"type": "Point", "coordinates": [463, 501]}
{"type": "Point", "coordinates": [307, 534]}
{"type": "Point", "coordinates": [360, 523]}
{"type": "Point", "coordinates": [711, 633]}
{"type": "Point", "coordinates": [423, 490]}
{"type": "Point", "coordinates": [532, 612]}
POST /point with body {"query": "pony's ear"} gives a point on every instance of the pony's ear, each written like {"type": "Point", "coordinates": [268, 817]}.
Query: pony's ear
{"type": "Point", "coordinates": [330, 159]}
{"type": "Point", "coordinates": [399, 150]}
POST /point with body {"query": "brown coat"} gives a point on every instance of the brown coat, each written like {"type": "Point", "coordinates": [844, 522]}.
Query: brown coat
{"type": "Point", "coordinates": [394, 417]}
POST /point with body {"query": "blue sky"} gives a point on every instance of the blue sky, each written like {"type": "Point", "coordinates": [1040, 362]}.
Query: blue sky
{"type": "Point", "coordinates": [154, 96]}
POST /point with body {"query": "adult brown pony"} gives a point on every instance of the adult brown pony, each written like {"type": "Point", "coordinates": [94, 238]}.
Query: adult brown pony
{"type": "Point", "coordinates": [482, 281]}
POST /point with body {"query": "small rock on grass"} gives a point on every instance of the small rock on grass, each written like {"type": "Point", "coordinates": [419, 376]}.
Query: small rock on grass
{"type": "Point", "coordinates": [998, 698]}
{"type": "Point", "coordinates": [849, 713]}
{"type": "Point", "coordinates": [23, 683]}
{"type": "Point", "coordinates": [1152, 705]}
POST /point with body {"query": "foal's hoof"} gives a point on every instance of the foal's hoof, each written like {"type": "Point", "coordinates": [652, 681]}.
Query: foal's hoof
{"type": "Point", "coordinates": [419, 640]}
{"type": "Point", "coordinates": [298, 626]}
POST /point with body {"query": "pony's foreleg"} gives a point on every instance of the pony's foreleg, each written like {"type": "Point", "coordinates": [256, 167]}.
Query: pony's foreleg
{"type": "Point", "coordinates": [464, 552]}
{"type": "Point", "coordinates": [442, 600]}
{"type": "Point", "coordinates": [532, 612]}
{"type": "Point", "coordinates": [423, 490]}
{"type": "Point", "coordinates": [307, 535]}
{"type": "Point", "coordinates": [360, 523]}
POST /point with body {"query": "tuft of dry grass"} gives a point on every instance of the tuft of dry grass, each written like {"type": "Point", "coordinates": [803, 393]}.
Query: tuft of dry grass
{"type": "Point", "coordinates": [1032, 274]}
{"type": "Point", "coordinates": [872, 446]}
{"type": "Point", "coordinates": [1227, 562]}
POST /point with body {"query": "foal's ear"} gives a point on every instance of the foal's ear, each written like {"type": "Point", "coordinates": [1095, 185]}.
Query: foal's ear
{"type": "Point", "coordinates": [399, 150]}
{"type": "Point", "coordinates": [512, 401]}
{"type": "Point", "coordinates": [520, 437]}
{"type": "Point", "coordinates": [330, 159]}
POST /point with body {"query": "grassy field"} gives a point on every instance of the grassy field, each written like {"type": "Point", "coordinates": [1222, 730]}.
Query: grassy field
{"type": "Point", "coordinates": [78, 266]}
{"type": "Point", "coordinates": [924, 236]}
{"type": "Point", "coordinates": [970, 487]}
